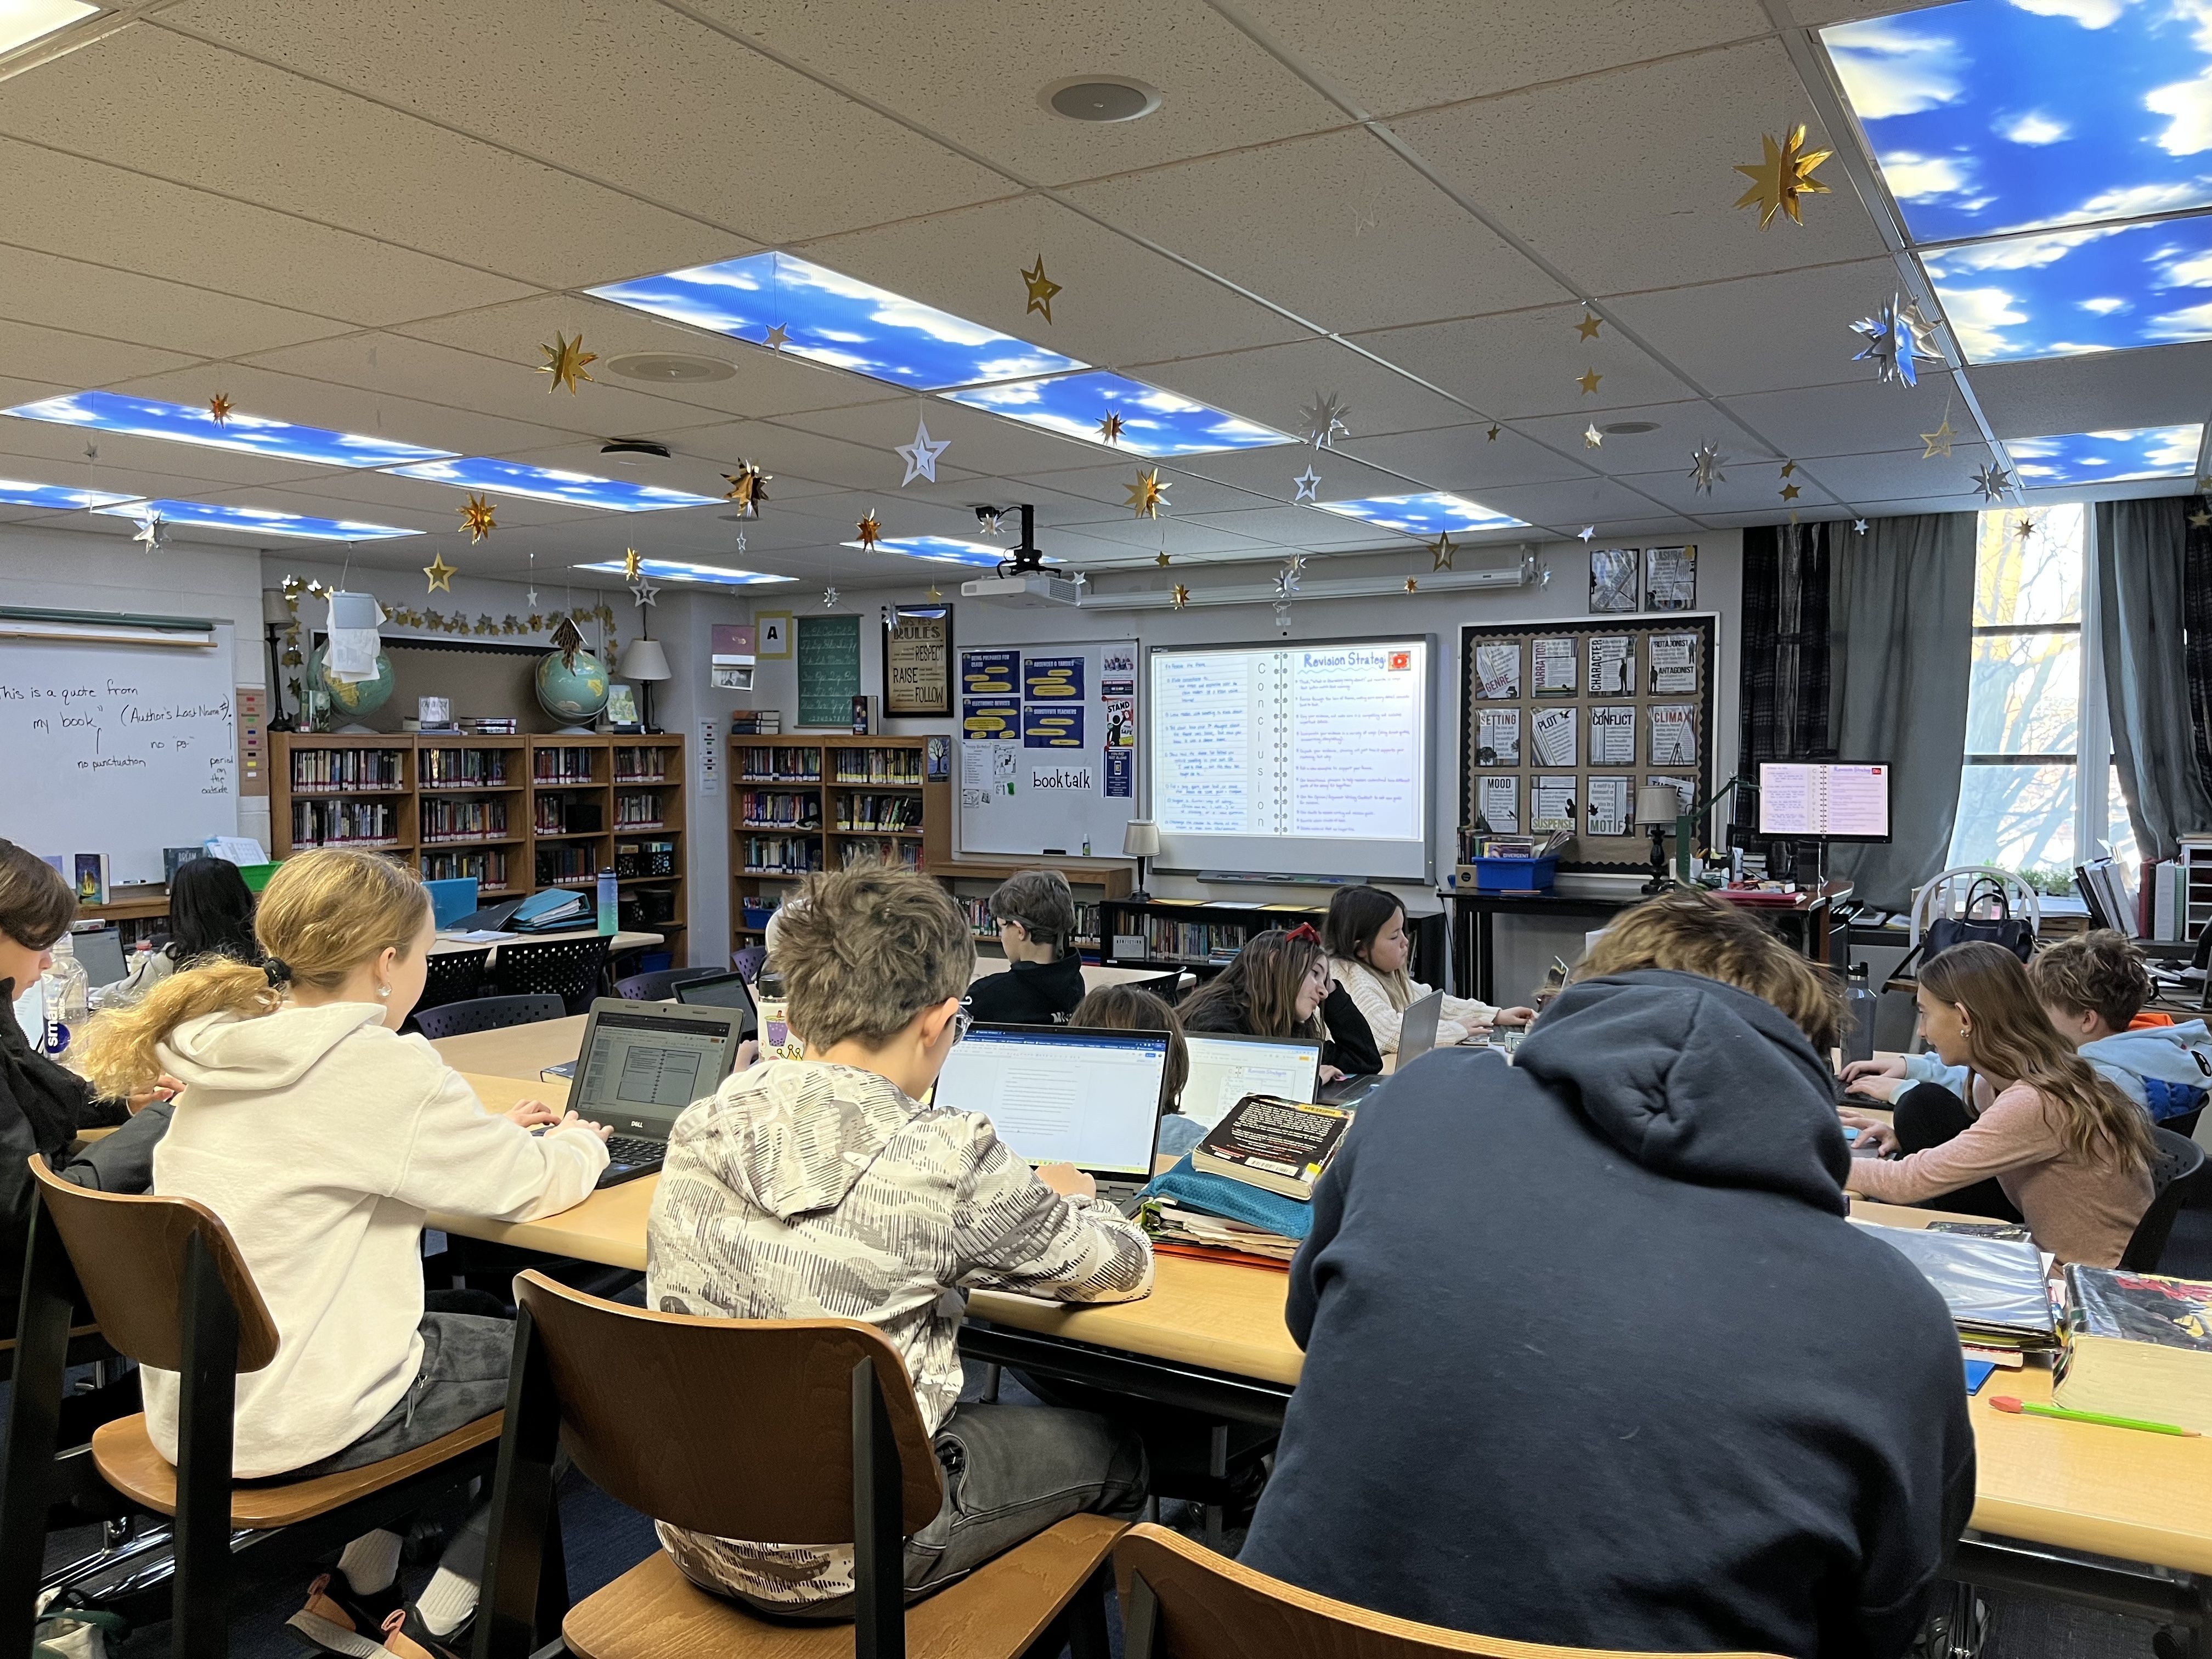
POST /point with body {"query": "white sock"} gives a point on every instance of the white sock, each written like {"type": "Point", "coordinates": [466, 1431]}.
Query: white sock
{"type": "Point", "coordinates": [445, 1601]}
{"type": "Point", "coordinates": [371, 1562]}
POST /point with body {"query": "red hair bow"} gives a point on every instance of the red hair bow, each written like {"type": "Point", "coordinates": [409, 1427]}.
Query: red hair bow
{"type": "Point", "coordinates": [1304, 932]}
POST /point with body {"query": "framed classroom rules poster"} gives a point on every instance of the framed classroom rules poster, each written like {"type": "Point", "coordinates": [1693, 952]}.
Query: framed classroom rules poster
{"type": "Point", "coordinates": [918, 661]}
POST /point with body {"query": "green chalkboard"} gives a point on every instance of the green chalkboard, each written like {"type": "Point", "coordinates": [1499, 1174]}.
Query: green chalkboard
{"type": "Point", "coordinates": [829, 669]}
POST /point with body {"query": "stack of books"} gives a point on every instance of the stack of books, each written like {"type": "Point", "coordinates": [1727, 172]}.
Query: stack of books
{"type": "Point", "coordinates": [1178, 1230]}
{"type": "Point", "coordinates": [2137, 1344]}
{"type": "Point", "coordinates": [757, 723]}
{"type": "Point", "coordinates": [1995, 1287]}
{"type": "Point", "coordinates": [490, 725]}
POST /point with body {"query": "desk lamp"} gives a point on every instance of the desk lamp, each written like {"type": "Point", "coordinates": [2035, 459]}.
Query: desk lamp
{"type": "Point", "coordinates": [1657, 809]}
{"type": "Point", "coordinates": [1140, 841]}
{"type": "Point", "coordinates": [644, 661]}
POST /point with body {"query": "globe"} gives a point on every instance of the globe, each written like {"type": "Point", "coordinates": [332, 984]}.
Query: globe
{"type": "Point", "coordinates": [573, 694]}
{"type": "Point", "coordinates": [353, 702]}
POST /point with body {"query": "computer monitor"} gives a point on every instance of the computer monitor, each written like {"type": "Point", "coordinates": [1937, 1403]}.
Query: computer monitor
{"type": "Point", "coordinates": [1824, 801]}
{"type": "Point", "coordinates": [1224, 1069]}
{"type": "Point", "coordinates": [1063, 1095]}
{"type": "Point", "coordinates": [643, 1062]}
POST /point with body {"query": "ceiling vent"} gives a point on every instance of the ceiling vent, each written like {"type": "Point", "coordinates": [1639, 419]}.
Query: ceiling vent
{"type": "Point", "coordinates": [1100, 99]}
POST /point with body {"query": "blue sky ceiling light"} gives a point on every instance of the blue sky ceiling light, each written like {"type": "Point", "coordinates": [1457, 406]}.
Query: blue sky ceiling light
{"type": "Point", "coordinates": [247, 434]}
{"type": "Point", "coordinates": [838, 321]}
{"type": "Point", "coordinates": [1154, 423]}
{"type": "Point", "coordinates": [1429, 515]}
{"type": "Point", "coordinates": [683, 570]}
{"type": "Point", "coordinates": [541, 483]}
{"type": "Point", "coordinates": [2088, 458]}
{"type": "Point", "coordinates": [259, 521]}
{"type": "Point", "coordinates": [944, 550]}
{"type": "Point", "coordinates": [1989, 117]}
{"type": "Point", "coordinates": [14, 493]}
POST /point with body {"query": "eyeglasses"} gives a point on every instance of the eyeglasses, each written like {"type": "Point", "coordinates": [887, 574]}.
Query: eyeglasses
{"type": "Point", "coordinates": [963, 1021]}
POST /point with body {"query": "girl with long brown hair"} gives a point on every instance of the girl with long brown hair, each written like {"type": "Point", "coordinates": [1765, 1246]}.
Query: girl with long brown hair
{"type": "Point", "coordinates": [1278, 985]}
{"type": "Point", "coordinates": [2071, 1152]}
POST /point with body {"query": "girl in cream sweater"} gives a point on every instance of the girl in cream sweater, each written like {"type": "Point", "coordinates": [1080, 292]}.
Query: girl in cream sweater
{"type": "Point", "coordinates": [1368, 947]}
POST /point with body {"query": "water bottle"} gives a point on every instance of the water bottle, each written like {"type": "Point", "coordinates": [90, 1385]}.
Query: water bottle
{"type": "Point", "coordinates": [68, 996]}
{"type": "Point", "coordinates": [1859, 1004]}
{"type": "Point", "coordinates": [608, 907]}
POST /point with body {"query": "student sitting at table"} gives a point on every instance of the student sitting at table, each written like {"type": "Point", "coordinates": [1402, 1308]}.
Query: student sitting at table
{"type": "Point", "coordinates": [211, 913]}
{"type": "Point", "coordinates": [1043, 982]}
{"type": "Point", "coordinates": [822, 1188]}
{"type": "Point", "coordinates": [1593, 1358]}
{"type": "Point", "coordinates": [1278, 985]}
{"type": "Point", "coordinates": [2069, 1151]}
{"type": "Point", "coordinates": [321, 1136]}
{"type": "Point", "coordinates": [1129, 1008]}
{"type": "Point", "coordinates": [1368, 949]}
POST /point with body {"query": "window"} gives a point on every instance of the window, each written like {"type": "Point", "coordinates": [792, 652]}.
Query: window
{"type": "Point", "coordinates": [2038, 793]}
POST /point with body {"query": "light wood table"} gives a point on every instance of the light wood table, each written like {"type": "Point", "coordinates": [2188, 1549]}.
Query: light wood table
{"type": "Point", "coordinates": [519, 1052]}
{"type": "Point", "coordinates": [1093, 974]}
{"type": "Point", "coordinates": [619, 942]}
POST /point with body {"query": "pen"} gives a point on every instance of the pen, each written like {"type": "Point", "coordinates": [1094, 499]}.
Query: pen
{"type": "Point", "coordinates": [2005, 1402]}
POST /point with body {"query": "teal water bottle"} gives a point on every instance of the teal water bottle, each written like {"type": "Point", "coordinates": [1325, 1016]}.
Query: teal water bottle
{"type": "Point", "coordinates": [607, 902]}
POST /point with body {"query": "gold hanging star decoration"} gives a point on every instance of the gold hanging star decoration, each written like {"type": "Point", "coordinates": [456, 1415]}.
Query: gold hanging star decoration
{"type": "Point", "coordinates": [748, 487]}
{"type": "Point", "coordinates": [934, 596]}
{"type": "Point", "coordinates": [1161, 558]}
{"type": "Point", "coordinates": [1148, 495]}
{"type": "Point", "coordinates": [477, 519]}
{"type": "Point", "coordinates": [1783, 175]}
{"type": "Point", "coordinates": [1790, 492]}
{"type": "Point", "coordinates": [1494, 430]}
{"type": "Point", "coordinates": [1588, 326]}
{"type": "Point", "coordinates": [1110, 429]}
{"type": "Point", "coordinates": [1440, 551]}
{"type": "Point", "coordinates": [1412, 585]}
{"type": "Point", "coordinates": [630, 564]}
{"type": "Point", "coordinates": [1938, 441]}
{"type": "Point", "coordinates": [1178, 596]}
{"type": "Point", "coordinates": [778, 338]}
{"type": "Point", "coordinates": [564, 362]}
{"type": "Point", "coordinates": [2201, 520]}
{"type": "Point", "coordinates": [1788, 468]}
{"type": "Point", "coordinates": [569, 640]}
{"type": "Point", "coordinates": [1588, 380]}
{"type": "Point", "coordinates": [1041, 288]}
{"type": "Point", "coordinates": [869, 531]}
{"type": "Point", "coordinates": [219, 408]}
{"type": "Point", "coordinates": [440, 574]}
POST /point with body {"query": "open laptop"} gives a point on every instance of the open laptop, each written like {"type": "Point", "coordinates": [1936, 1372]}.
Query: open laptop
{"type": "Point", "coordinates": [1417, 1028]}
{"type": "Point", "coordinates": [642, 1063]}
{"type": "Point", "coordinates": [1061, 1094]}
{"type": "Point", "coordinates": [100, 952]}
{"type": "Point", "coordinates": [1224, 1069]}
{"type": "Point", "coordinates": [720, 991]}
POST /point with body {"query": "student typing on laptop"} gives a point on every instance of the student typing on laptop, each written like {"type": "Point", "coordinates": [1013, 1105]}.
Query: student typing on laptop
{"type": "Point", "coordinates": [1280, 986]}
{"type": "Point", "coordinates": [1369, 948]}
{"type": "Point", "coordinates": [822, 1187]}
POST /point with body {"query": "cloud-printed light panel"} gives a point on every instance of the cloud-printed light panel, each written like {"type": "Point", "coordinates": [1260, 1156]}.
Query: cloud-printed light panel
{"type": "Point", "coordinates": [250, 434]}
{"type": "Point", "coordinates": [2085, 458]}
{"type": "Point", "coordinates": [683, 570]}
{"type": "Point", "coordinates": [259, 521]}
{"type": "Point", "coordinates": [15, 493]}
{"type": "Point", "coordinates": [1424, 515]}
{"type": "Point", "coordinates": [542, 483]}
{"type": "Point", "coordinates": [1154, 423]}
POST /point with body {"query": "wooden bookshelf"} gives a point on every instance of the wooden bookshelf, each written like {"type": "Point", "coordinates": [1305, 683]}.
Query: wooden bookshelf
{"type": "Point", "coordinates": [1205, 937]}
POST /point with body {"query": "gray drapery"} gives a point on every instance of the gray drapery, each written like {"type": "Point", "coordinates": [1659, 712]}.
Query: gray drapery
{"type": "Point", "coordinates": [2140, 598]}
{"type": "Point", "coordinates": [1902, 607]}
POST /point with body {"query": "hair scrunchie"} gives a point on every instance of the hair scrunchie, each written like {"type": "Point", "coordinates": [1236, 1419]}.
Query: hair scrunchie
{"type": "Point", "coordinates": [279, 972]}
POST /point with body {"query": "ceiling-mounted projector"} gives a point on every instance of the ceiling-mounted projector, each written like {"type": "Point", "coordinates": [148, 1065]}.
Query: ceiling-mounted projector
{"type": "Point", "coordinates": [1034, 590]}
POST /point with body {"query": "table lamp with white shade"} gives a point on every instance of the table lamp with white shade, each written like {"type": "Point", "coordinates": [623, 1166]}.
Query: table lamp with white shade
{"type": "Point", "coordinates": [1140, 841]}
{"type": "Point", "coordinates": [1657, 807]}
{"type": "Point", "coordinates": [644, 661]}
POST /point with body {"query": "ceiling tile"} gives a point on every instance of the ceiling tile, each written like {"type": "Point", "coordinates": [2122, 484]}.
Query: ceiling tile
{"type": "Point", "coordinates": [1852, 418]}
{"type": "Point", "coordinates": [80, 361]}
{"type": "Point", "coordinates": [983, 445]}
{"type": "Point", "coordinates": [1566, 506]}
{"type": "Point", "coordinates": [1306, 527]}
{"type": "Point", "coordinates": [120, 305]}
{"type": "Point", "coordinates": [1763, 333]}
{"type": "Point", "coordinates": [1527, 363]}
{"type": "Point", "coordinates": [1465, 459]}
{"type": "Point", "coordinates": [2103, 392]}
{"type": "Point", "coordinates": [1272, 383]}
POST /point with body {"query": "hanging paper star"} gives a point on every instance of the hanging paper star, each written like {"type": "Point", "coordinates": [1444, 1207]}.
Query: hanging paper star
{"type": "Point", "coordinates": [1286, 587]}
{"type": "Point", "coordinates": [987, 519]}
{"type": "Point", "coordinates": [1591, 436]}
{"type": "Point", "coordinates": [1788, 467]}
{"type": "Point", "coordinates": [1287, 578]}
{"type": "Point", "coordinates": [870, 532]}
{"type": "Point", "coordinates": [1939, 440]}
{"type": "Point", "coordinates": [1440, 551]}
{"type": "Point", "coordinates": [778, 338]}
{"type": "Point", "coordinates": [219, 408]}
{"type": "Point", "coordinates": [564, 362]}
{"type": "Point", "coordinates": [748, 487]}
{"type": "Point", "coordinates": [1790, 492]}
{"type": "Point", "coordinates": [1991, 483]}
{"type": "Point", "coordinates": [1895, 343]}
{"type": "Point", "coordinates": [1041, 288]}
{"type": "Point", "coordinates": [1161, 558]}
{"type": "Point", "coordinates": [1179, 596]}
{"type": "Point", "coordinates": [1784, 174]}
{"type": "Point", "coordinates": [1588, 380]}
{"type": "Point", "coordinates": [1110, 429]}
{"type": "Point", "coordinates": [153, 530]}
{"type": "Point", "coordinates": [530, 598]}
{"type": "Point", "coordinates": [2201, 520]}
{"type": "Point", "coordinates": [1494, 430]}
{"type": "Point", "coordinates": [630, 564]}
{"type": "Point", "coordinates": [921, 456]}
{"type": "Point", "coordinates": [440, 572]}
{"type": "Point", "coordinates": [1705, 464]}
{"type": "Point", "coordinates": [1588, 328]}
{"type": "Point", "coordinates": [1306, 483]}
{"type": "Point", "coordinates": [1323, 419]}
{"type": "Point", "coordinates": [1148, 495]}
{"type": "Point", "coordinates": [829, 599]}
{"type": "Point", "coordinates": [741, 542]}
{"type": "Point", "coordinates": [569, 640]}
{"type": "Point", "coordinates": [2025, 528]}
{"type": "Point", "coordinates": [934, 595]}
{"type": "Point", "coordinates": [477, 519]}
{"type": "Point", "coordinates": [2205, 486]}
{"type": "Point", "coordinates": [643, 593]}
{"type": "Point", "coordinates": [1586, 532]}
{"type": "Point", "coordinates": [1859, 525]}
{"type": "Point", "coordinates": [1412, 586]}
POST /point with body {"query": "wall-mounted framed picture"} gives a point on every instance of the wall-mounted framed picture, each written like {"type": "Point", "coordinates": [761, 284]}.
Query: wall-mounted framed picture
{"type": "Point", "coordinates": [775, 633]}
{"type": "Point", "coordinates": [1615, 576]}
{"type": "Point", "coordinates": [918, 661]}
{"type": "Point", "coordinates": [1671, 577]}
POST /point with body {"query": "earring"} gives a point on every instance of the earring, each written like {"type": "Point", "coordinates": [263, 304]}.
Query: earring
{"type": "Point", "coordinates": [383, 992]}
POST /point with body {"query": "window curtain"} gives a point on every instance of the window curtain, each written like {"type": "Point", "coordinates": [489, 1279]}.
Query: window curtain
{"type": "Point", "coordinates": [1903, 608]}
{"type": "Point", "coordinates": [2197, 616]}
{"type": "Point", "coordinates": [2144, 593]}
{"type": "Point", "coordinates": [1785, 697]}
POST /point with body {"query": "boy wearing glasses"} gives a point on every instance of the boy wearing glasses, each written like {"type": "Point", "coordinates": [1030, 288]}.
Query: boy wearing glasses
{"type": "Point", "coordinates": [823, 1188]}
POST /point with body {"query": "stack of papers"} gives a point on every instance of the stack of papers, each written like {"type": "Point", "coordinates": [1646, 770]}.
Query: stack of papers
{"type": "Point", "coordinates": [1181, 1230]}
{"type": "Point", "coordinates": [1996, 1288]}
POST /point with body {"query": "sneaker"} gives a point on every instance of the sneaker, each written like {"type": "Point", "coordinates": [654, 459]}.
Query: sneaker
{"type": "Point", "coordinates": [405, 1638]}
{"type": "Point", "coordinates": [339, 1619]}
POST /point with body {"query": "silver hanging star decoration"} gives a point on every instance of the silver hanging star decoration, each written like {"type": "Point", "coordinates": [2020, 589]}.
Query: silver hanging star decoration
{"type": "Point", "coordinates": [1283, 615]}
{"type": "Point", "coordinates": [1859, 525]}
{"type": "Point", "coordinates": [642, 592]}
{"type": "Point", "coordinates": [1591, 436]}
{"type": "Point", "coordinates": [921, 456]}
{"type": "Point", "coordinates": [1897, 341]}
{"type": "Point", "coordinates": [987, 520]}
{"type": "Point", "coordinates": [1586, 532]}
{"type": "Point", "coordinates": [1306, 482]}
{"type": "Point", "coordinates": [1322, 420]}
{"type": "Point", "coordinates": [153, 530]}
{"type": "Point", "coordinates": [1705, 464]}
{"type": "Point", "coordinates": [1081, 581]}
{"type": "Point", "coordinates": [1992, 483]}
{"type": "Point", "coordinates": [1286, 579]}
{"type": "Point", "coordinates": [829, 599]}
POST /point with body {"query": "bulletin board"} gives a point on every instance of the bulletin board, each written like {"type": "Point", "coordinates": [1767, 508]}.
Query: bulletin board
{"type": "Point", "coordinates": [1566, 721]}
{"type": "Point", "coordinates": [829, 669]}
{"type": "Point", "coordinates": [1047, 747]}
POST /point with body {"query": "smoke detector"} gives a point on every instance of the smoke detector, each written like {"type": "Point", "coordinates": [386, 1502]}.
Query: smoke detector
{"type": "Point", "coordinates": [1102, 99]}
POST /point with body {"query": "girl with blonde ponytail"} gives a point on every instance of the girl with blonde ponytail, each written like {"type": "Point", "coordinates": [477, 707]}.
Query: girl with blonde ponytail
{"type": "Point", "coordinates": [321, 1137]}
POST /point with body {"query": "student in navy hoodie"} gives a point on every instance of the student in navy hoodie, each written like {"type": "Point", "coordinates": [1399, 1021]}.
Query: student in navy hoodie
{"type": "Point", "coordinates": [1643, 1385]}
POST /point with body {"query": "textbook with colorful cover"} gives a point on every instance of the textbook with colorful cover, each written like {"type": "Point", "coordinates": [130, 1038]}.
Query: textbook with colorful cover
{"type": "Point", "coordinates": [2137, 1344]}
{"type": "Point", "coordinates": [1281, 1146]}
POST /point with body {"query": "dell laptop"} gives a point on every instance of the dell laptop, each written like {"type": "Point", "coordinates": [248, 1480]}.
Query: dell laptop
{"type": "Point", "coordinates": [640, 1064]}
{"type": "Point", "coordinates": [1063, 1094]}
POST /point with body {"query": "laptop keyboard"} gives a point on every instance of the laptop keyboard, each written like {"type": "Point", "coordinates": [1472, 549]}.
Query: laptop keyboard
{"type": "Point", "coordinates": [637, 1150]}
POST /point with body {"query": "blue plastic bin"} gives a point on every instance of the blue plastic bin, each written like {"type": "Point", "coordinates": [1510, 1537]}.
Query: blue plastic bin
{"type": "Point", "coordinates": [1514, 875]}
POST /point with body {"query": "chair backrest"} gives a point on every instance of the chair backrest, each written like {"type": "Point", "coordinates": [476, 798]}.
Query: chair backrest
{"type": "Point", "coordinates": [1186, 1600]}
{"type": "Point", "coordinates": [649, 1402]}
{"type": "Point", "coordinates": [2176, 1168]}
{"type": "Point", "coordinates": [129, 1256]}
{"type": "Point", "coordinates": [487, 1014]}
{"type": "Point", "coordinates": [748, 962]}
{"type": "Point", "coordinates": [659, 985]}
{"type": "Point", "coordinates": [452, 977]}
{"type": "Point", "coordinates": [570, 969]}
{"type": "Point", "coordinates": [1947, 891]}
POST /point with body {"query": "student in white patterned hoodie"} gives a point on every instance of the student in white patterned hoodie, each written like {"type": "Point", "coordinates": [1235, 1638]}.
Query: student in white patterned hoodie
{"type": "Point", "coordinates": [1368, 949]}
{"type": "Point", "coordinates": [823, 1188]}
{"type": "Point", "coordinates": [321, 1137]}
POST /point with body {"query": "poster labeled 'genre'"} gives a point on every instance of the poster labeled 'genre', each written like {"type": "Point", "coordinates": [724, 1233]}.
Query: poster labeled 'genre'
{"type": "Point", "coordinates": [1498, 671]}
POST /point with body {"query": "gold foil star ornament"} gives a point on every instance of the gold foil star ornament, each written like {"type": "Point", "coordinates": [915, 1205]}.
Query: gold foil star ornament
{"type": "Point", "coordinates": [1588, 326]}
{"type": "Point", "coordinates": [564, 362]}
{"type": "Point", "coordinates": [1790, 492]}
{"type": "Point", "coordinates": [1179, 596]}
{"type": "Point", "coordinates": [1110, 429]}
{"type": "Point", "coordinates": [1783, 175]}
{"type": "Point", "coordinates": [630, 564]}
{"type": "Point", "coordinates": [869, 531]}
{"type": "Point", "coordinates": [1161, 558]}
{"type": "Point", "coordinates": [1412, 585]}
{"type": "Point", "coordinates": [1494, 430]}
{"type": "Point", "coordinates": [748, 487]}
{"type": "Point", "coordinates": [1440, 551]}
{"type": "Point", "coordinates": [219, 408]}
{"type": "Point", "coordinates": [569, 640]}
{"type": "Point", "coordinates": [778, 338]}
{"type": "Point", "coordinates": [2200, 520]}
{"type": "Point", "coordinates": [477, 519]}
{"type": "Point", "coordinates": [1041, 288]}
{"type": "Point", "coordinates": [1148, 495]}
{"type": "Point", "coordinates": [1588, 380]}
{"type": "Point", "coordinates": [440, 574]}
{"type": "Point", "coordinates": [1938, 441]}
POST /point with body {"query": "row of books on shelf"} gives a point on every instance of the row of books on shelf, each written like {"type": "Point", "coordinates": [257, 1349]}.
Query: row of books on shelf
{"type": "Point", "coordinates": [344, 823]}
{"type": "Point", "coordinates": [488, 869]}
{"type": "Point", "coordinates": [776, 765]}
{"type": "Point", "coordinates": [781, 808]}
{"type": "Point", "coordinates": [757, 723]}
{"type": "Point", "coordinates": [445, 768]}
{"type": "Point", "coordinates": [980, 921]}
{"type": "Point", "coordinates": [791, 855]}
{"type": "Point", "coordinates": [1166, 939]}
{"type": "Point", "coordinates": [462, 820]}
{"type": "Point", "coordinates": [564, 815]}
{"type": "Point", "coordinates": [640, 765]}
{"type": "Point", "coordinates": [880, 766]}
{"type": "Point", "coordinates": [565, 862]}
{"type": "Point", "coordinates": [641, 811]}
{"type": "Point", "coordinates": [859, 851]}
{"type": "Point", "coordinates": [879, 813]}
{"type": "Point", "coordinates": [348, 769]}
{"type": "Point", "coordinates": [2158, 908]}
{"type": "Point", "coordinates": [564, 765]}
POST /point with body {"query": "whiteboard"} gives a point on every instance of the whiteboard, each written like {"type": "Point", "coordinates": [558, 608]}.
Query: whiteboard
{"type": "Point", "coordinates": [1048, 742]}
{"type": "Point", "coordinates": [116, 748]}
{"type": "Point", "coordinates": [1309, 760]}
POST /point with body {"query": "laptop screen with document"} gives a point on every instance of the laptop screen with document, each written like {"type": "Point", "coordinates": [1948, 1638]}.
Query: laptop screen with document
{"type": "Point", "coordinates": [642, 1065]}
{"type": "Point", "coordinates": [1061, 1095]}
{"type": "Point", "coordinates": [1225, 1069]}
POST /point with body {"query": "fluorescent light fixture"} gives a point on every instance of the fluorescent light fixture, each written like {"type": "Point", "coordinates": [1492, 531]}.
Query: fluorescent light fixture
{"type": "Point", "coordinates": [836, 319]}
{"type": "Point", "coordinates": [1424, 515]}
{"type": "Point", "coordinates": [22, 22]}
{"type": "Point", "coordinates": [542, 483]}
{"type": "Point", "coordinates": [2086, 458]}
{"type": "Point", "coordinates": [1153, 422]}
{"type": "Point", "coordinates": [254, 521]}
{"type": "Point", "coordinates": [944, 550]}
{"type": "Point", "coordinates": [2008, 114]}
{"type": "Point", "coordinates": [249, 434]}
{"type": "Point", "coordinates": [683, 570]}
{"type": "Point", "coordinates": [2063, 293]}
{"type": "Point", "coordinates": [14, 493]}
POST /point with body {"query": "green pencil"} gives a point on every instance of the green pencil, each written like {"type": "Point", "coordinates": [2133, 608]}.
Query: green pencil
{"type": "Point", "coordinates": [2005, 1402]}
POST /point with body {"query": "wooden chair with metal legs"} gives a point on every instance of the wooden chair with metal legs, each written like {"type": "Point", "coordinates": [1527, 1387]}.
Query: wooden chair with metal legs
{"type": "Point", "coordinates": [1180, 1600]}
{"type": "Point", "coordinates": [165, 1282]}
{"type": "Point", "coordinates": [803, 1430]}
